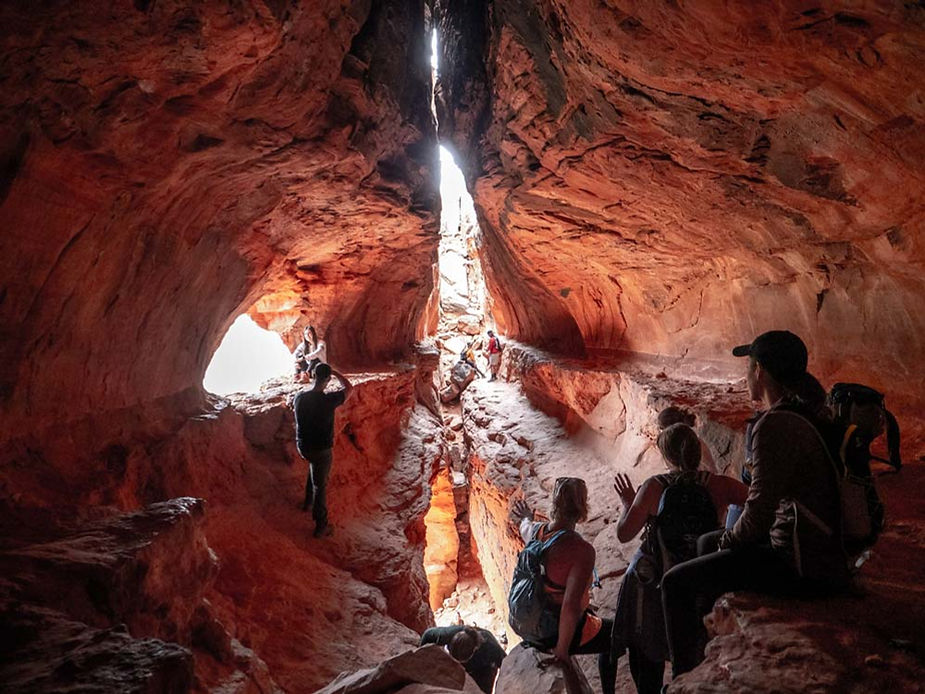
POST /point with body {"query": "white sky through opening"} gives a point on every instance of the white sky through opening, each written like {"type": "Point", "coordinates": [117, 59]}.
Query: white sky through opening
{"type": "Point", "coordinates": [247, 356]}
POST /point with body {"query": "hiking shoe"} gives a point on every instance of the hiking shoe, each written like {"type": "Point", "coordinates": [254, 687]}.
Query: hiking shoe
{"type": "Point", "coordinates": [323, 531]}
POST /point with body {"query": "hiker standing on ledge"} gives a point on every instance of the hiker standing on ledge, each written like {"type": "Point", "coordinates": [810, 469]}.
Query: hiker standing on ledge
{"type": "Point", "coordinates": [314, 426]}
{"type": "Point", "coordinates": [493, 352]}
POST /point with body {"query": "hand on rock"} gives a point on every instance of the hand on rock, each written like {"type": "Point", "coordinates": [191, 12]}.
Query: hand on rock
{"type": "Point", "coordinates": [624, 489]}
{"type": "Point", "coordinates": [520, 510]}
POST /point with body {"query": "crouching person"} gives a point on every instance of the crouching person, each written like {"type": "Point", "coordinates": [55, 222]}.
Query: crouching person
{"type": "Point", "coordinates": [477, 650]}
{"type": "Point", "coordinates": [788, 537]}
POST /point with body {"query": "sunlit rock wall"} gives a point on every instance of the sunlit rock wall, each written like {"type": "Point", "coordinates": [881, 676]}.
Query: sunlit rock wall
{"type": "Point", "coordinates": [166, 164]}
{"type": "Point", "coordinates": [671, 179]}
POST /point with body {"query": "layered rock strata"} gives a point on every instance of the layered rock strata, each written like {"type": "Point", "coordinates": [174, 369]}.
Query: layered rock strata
{"type": "Point", "coordinates": [665, 179]}
{"type": "Point", "coordinates": [263, 604]}
{"type": "Point", "coordinates": [165, 165]}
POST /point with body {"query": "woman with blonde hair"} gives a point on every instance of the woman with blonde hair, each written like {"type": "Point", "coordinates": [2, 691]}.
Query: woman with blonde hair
{"type": "Point", "coordinates": [569, 572]}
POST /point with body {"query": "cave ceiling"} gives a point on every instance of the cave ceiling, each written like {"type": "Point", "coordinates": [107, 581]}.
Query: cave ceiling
{"type": "Point", "coordinates": [652, 178]}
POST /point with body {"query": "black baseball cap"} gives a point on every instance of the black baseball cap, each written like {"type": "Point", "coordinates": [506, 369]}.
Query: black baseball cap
{"type": "Point", "coordinates": [780, 352]}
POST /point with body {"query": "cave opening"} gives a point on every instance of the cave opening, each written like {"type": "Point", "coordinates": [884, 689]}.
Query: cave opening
{"type": "Point", "coordinates": [247, 358]}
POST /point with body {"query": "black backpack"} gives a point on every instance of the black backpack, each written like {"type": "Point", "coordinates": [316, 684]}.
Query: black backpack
{"type": "Point", "coordinates": [685, 512]}
{"type": "Point", "coordinates": [862, 407]}
{"type": "Point", "coordinates": [530, 614]}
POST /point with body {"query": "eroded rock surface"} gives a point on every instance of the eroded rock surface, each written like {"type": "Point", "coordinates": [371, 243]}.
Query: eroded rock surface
{"type": "Point", "coordinates": [44, 651]}
{"type": "Point", "coordinates": [165, 165]}
{"type": "Point", "coordinates": [669, 179]}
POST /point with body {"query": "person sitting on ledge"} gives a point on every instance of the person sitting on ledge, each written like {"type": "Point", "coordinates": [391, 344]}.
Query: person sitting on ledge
{"type": "Point", "coordinates": [476, 649]}
{"type": "Point", "coordinates": [569, 571]}
{"type": "Point", "coordinates": [309, 353]}
{"type": "Point", "coordinates": [639, 624]}
{"type": "Point", "coordinates": [788, 536]}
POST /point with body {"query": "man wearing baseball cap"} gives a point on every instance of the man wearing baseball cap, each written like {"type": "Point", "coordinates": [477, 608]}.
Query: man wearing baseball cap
{"type": "Point", "coordinates": [792, 474]}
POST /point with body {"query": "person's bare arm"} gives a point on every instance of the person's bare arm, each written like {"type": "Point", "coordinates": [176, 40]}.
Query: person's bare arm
{"type": "Point", "coordinates": [348, 386]}
{"type": "Point", "coordinates": [728, 490]}
{"type": "Point", "coordinates": [579, 578]}
{"type": "Point", "coordinates": [637, 506]}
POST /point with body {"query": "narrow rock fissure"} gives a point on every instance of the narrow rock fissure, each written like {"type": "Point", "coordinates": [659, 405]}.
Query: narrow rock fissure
{"type": "Point", "coordinates": [458, 591]}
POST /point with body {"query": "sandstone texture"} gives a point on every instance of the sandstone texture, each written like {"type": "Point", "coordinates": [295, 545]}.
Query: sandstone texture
{"type": "Point", "coordinates": [430, 666]}
{"type": "Point", "coordinates": [659, 178]}
{"type": "Point", "coordinates": [238, 579]}
{"type": "Point", "coordinates": [166, 165]}
{"type": "Point", "coordinates": [654, 182]}
{"type": "Point", "coordinates": [526, 671]}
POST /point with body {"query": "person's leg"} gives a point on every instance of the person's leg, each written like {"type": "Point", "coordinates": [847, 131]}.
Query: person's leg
{"type": "Point", "coordinates": [309, 493]}
{"type": "Point", "coordinates": [647, 674]}
{"type": "Point", "coordinates": [690, 589]}
{"type": "Point", "coordinates": [709, 542]}
{"type": "Point", "coordinates": [600, 644]}
{"type": "Point", "coordinates": [320, 470]}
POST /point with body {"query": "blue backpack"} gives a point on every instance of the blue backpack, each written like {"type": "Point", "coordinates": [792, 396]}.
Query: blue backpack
{"type": "Point", "coordinates": [531, 615]}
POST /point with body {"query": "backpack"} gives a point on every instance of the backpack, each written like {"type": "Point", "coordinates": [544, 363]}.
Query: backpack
{"type": "Point", "coordinates": [530, 613]}
{"type": "Point", "coordinates": [685, 512]}
{"type": "Point", "coordinates": [862, 407]}
{"type": "Point", "coordinates": [861, 411]}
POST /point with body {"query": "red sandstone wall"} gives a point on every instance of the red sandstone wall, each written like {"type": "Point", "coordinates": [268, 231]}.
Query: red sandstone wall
{"type": "Point", "coordinates": [671, 179]}
{"type": "Point", "coordinates": [165, 164]}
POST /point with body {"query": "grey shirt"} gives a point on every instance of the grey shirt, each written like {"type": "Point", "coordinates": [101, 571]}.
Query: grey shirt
{"type": "Point", "coordinates": [789, 461]}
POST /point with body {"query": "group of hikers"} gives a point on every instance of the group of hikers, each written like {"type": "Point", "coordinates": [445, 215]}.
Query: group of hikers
{"type": "Point", "coordinates": [788, 527]}
{"type": "Point", "coordinates": [465, 370]}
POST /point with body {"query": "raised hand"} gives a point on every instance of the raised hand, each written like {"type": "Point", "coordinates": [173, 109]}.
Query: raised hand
{"type": "Point", "coordinates": [521, 510]}
{"type": "Point", "coordinates": [624, 488]}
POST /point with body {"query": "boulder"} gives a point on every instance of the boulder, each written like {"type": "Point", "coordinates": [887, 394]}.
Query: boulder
{"type": "Point", "coordinates": [528, 671]}
{"type": "Point", "coordinates": [428, 665]}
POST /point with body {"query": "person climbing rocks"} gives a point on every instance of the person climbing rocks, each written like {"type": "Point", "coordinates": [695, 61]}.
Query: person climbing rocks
{"type": "Point", "coordinates": [493, 353]}
{"type": "Point", "coordinates": [468, 355]}
{"type": "Point", "coordinates": [461, 375]}
{"type": "Point", "coordinates": [787, 539]}
{"type": "Point", "coordinates": [569, 571]}
{"type": "Point", "coordinates": [476, 649]}
{"type": "Point", "coordinates": [314, 425]}
{"type": "Point", "coordinates": [639, 623]}
{"type": "Point", "coordinates": [309, 353]}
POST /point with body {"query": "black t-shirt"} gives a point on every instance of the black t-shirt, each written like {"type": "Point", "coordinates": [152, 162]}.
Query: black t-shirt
{"type": "Point", "coordinates": [314, 418]}
{"type": "Point", "coordinates": [484, 663]}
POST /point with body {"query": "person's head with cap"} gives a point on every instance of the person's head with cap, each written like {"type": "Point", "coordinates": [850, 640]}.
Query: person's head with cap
{"type": "Point", "coordinates": [776, 365]}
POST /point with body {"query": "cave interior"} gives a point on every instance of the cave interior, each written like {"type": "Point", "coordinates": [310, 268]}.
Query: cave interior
{"type": "Point", "coordinates": [643, 186]}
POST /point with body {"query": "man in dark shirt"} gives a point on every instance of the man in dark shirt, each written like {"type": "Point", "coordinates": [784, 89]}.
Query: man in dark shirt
{"type": "Point", "coordinates": [314, 427]}
{"type": "Point", "coordinates": [476, 649]}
